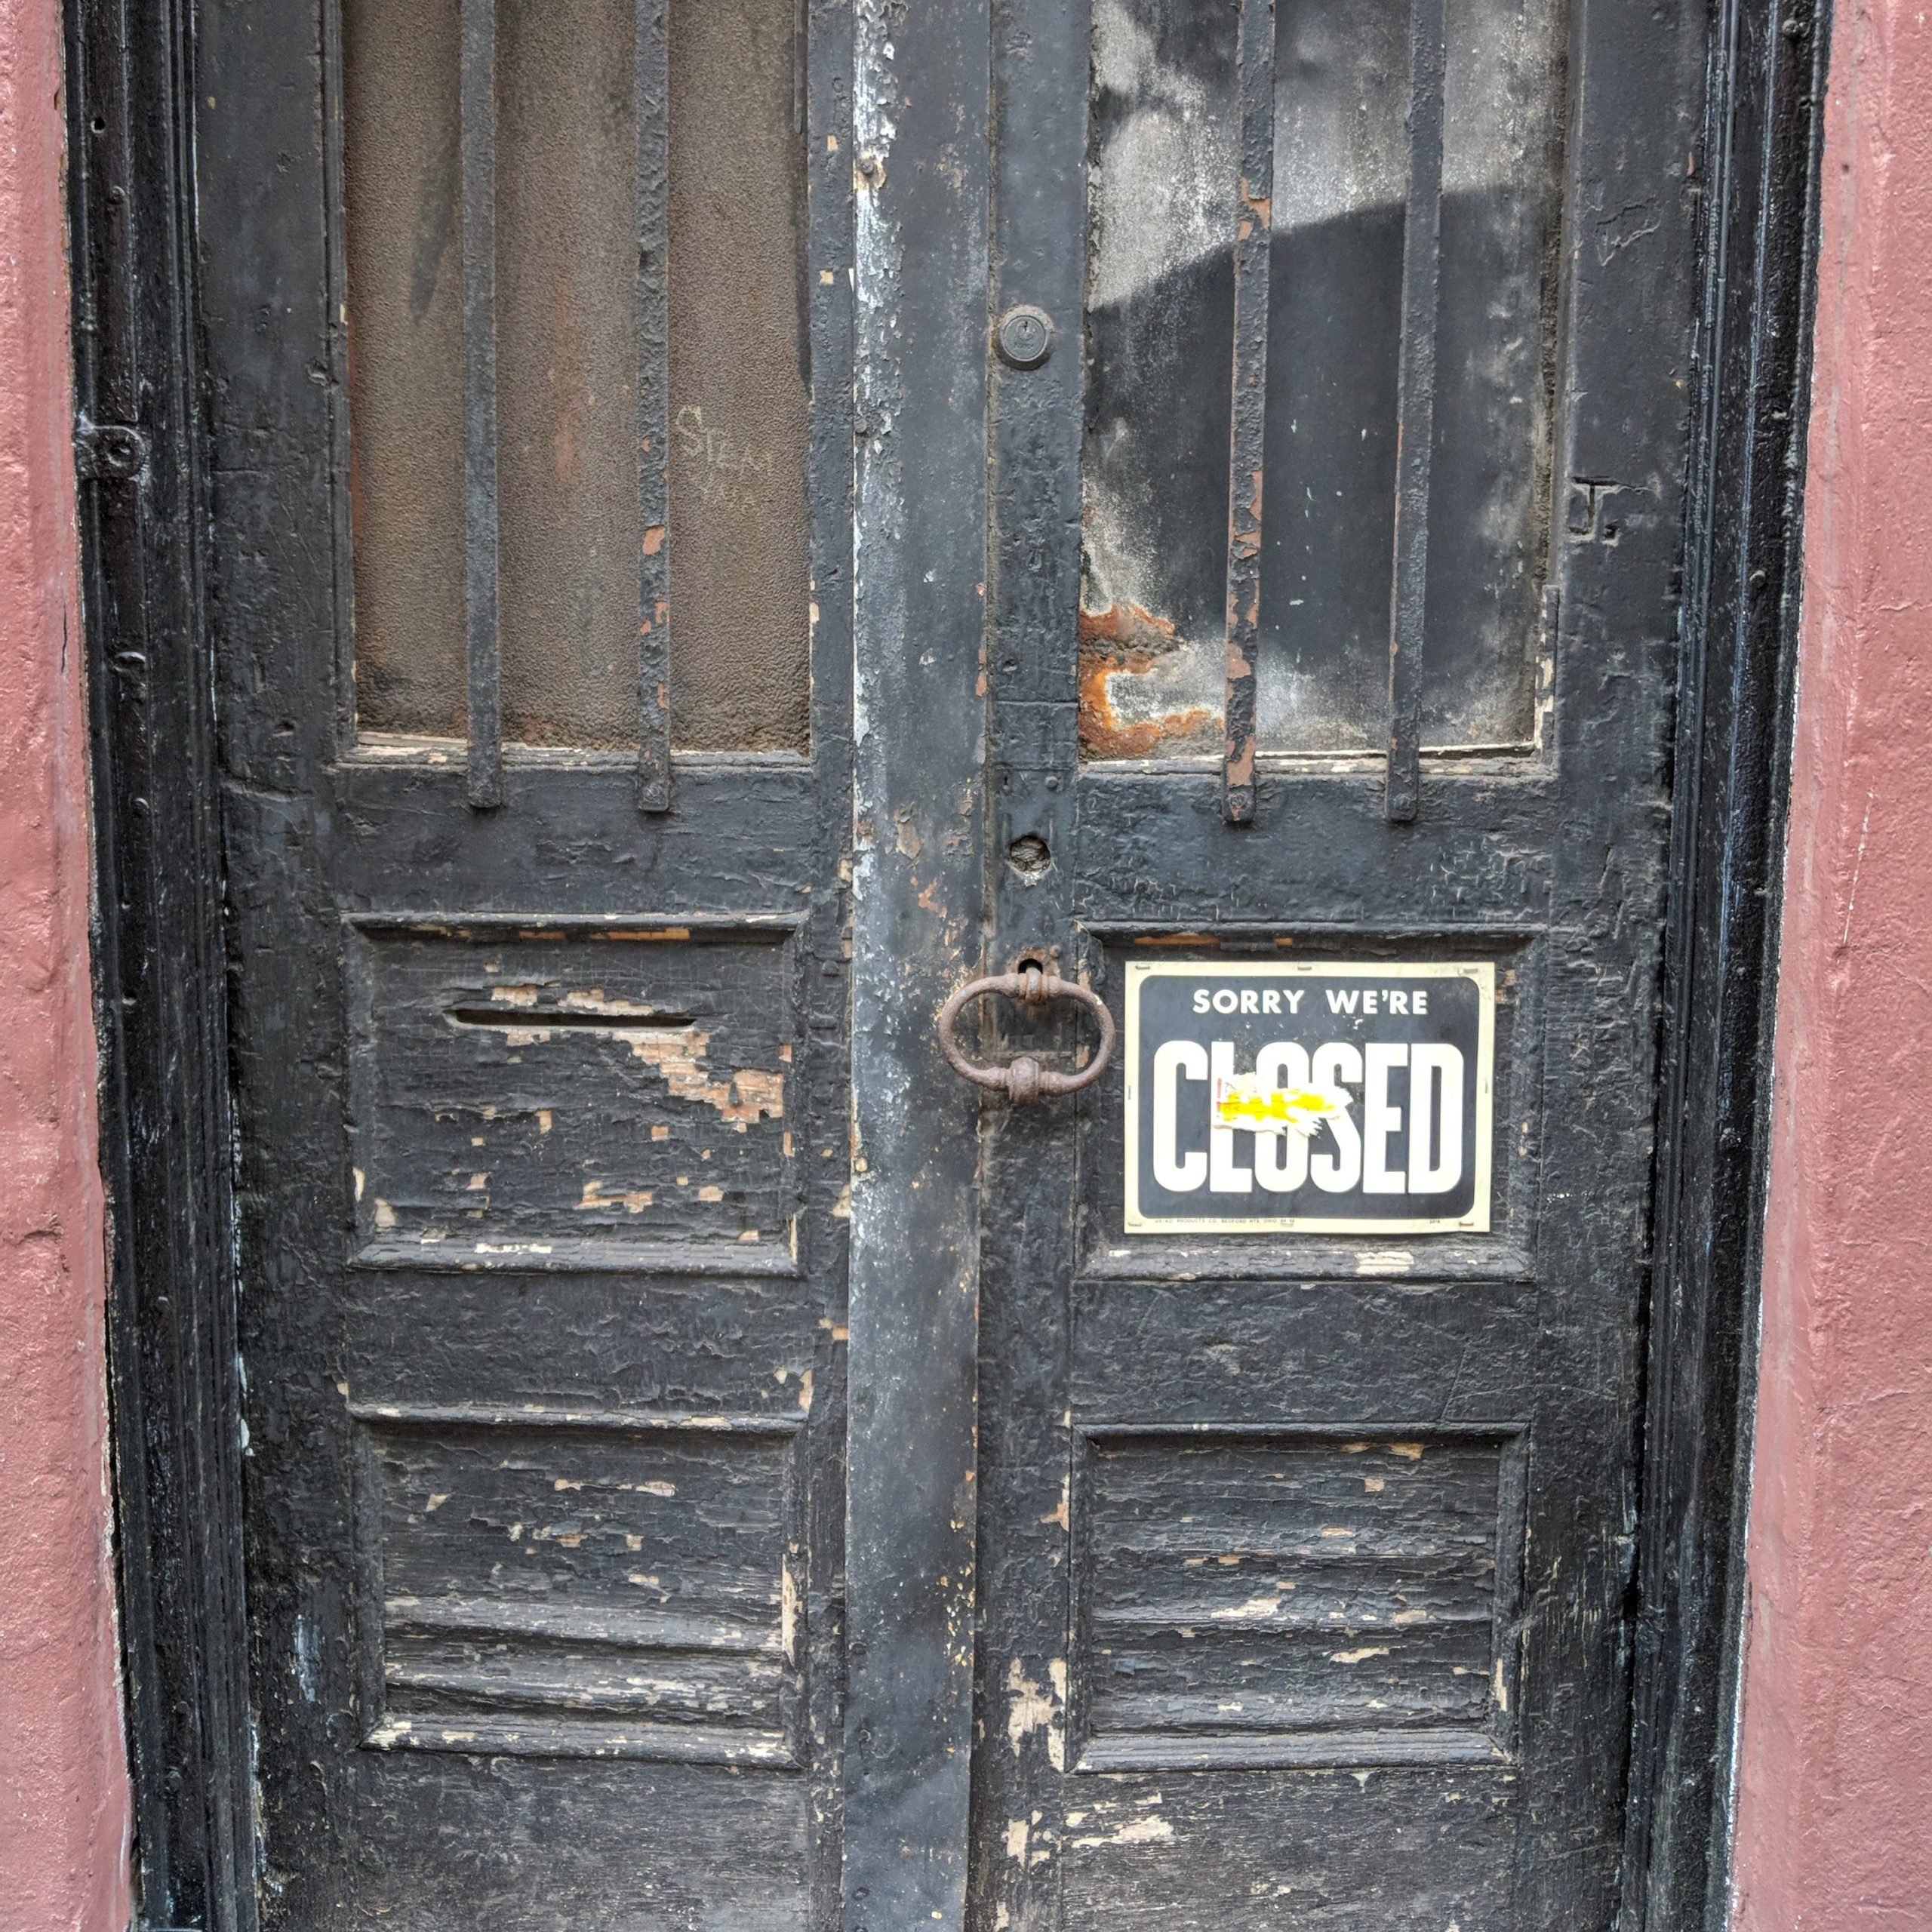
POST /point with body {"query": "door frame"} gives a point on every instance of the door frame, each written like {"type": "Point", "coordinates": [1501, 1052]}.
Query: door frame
{"type": "Point", "coordinates": [160, 970]}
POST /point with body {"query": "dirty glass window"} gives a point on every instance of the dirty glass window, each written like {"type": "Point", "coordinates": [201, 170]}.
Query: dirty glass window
{"type": "Point", "coordinates": [1163, 185]}
{"type": "Point", "coordinates": [569, 529]}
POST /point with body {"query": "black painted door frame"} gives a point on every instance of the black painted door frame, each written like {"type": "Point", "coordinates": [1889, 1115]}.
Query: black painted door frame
{"type": "Point", "coordinates": [160, 949]}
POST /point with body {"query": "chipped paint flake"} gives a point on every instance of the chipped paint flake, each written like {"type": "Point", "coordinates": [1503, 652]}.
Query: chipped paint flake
{"type": "Point", "coordinates": [1140, 1831]}
{"type": "Point", "coordinates": [602, 1193]}
{"type": "Point", "coordinates": [1029, 1708]}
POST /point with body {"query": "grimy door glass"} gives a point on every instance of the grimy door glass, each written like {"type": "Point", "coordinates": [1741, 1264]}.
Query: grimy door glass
{"type": "Point", "coordinates": [734, 520]}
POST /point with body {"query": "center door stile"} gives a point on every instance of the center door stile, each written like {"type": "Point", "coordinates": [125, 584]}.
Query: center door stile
{"type": "Point", "coordinates": [919, 572]}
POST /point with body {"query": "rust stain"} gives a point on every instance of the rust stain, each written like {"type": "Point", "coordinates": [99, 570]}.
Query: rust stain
{"type": "Point", "coordinates": [1239, 752]}
{"type": "Point", "coordinates": [1240, 761]}
{"type": "Point", "coordinates": [1128, 641]}
{"type": "Point", "coordinates": [1128, 627]}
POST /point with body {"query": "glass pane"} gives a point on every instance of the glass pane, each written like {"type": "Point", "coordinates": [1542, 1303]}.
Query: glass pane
{"type": "Point", "coordinates": [567, 335]}
{"type": "Point", "coordinates": [1341, 86]}
{"type": "Point", "coordinates": [567, 370]}
{"type": "Point", "coordinates": [1334, 330]}
{"type": "Point", "coordinates": [1160, 326]}
{"type": "Point", "coordinates": [405, 363]}
{"type": "Point", "coordinates": [1489, 512]}
{"type": "Point", "coordinates": [739, 574]}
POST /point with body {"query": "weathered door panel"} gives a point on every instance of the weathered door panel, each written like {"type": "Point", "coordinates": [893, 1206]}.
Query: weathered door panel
{"type": "Point", "coordinates": [1304, 1554]}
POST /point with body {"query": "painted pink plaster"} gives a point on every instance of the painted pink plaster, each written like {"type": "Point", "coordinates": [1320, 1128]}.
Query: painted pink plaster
{"type": "Point", "coordinates": [64, 1787]}
{"type": "Point", "coordinates": [1834, 1823]}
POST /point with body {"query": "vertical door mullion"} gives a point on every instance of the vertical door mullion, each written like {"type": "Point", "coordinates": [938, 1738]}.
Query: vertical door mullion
{"type": "Point", "coordinates": [1042, 67]}
{"type": "Point", "coordinates": [1415, 390]}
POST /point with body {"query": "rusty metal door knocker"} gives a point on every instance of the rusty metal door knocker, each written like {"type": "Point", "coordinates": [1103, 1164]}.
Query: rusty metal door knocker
{"type": "Point", "coordinates": [1024, 1079]}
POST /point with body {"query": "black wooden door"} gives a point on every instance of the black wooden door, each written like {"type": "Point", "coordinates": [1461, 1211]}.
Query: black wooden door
{"type": "Point", "coordinates": [731, 520]}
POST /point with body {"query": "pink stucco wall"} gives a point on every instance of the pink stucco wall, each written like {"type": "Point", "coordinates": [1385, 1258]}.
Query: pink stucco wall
{"type": "Point", "coordinates": [1834, 1827]}
{"type": "Point", "coordinates": [63, 1794]}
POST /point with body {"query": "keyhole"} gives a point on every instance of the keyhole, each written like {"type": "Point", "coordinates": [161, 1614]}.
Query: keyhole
{"type": "Point", "coordinates": [1028, 857]}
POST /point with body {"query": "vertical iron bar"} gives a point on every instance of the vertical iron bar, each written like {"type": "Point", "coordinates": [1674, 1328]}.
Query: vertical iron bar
{"type": "Point", "coordinates": [335, 240]}
{"type": "Point", "coordinates": [1415, 391]}
{"type": "Point", "coordinates": [478, 143]}
{"type": "Point", "coordinates": [654, 407]}
{"type": "Point", "coordinates": [1254, 217]}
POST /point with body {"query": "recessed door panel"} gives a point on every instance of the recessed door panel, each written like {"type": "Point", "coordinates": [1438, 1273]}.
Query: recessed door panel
{"type": "Point", "coordinates": [552, 1098]}
{"type": "Point", "coordinates": [561, 1587]}
{"type": "Point", "coordinates": [1252, 1599]}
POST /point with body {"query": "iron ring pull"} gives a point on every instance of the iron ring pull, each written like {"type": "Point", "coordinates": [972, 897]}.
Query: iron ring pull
{"type": "Point", "coordinates": [1024, 1078]}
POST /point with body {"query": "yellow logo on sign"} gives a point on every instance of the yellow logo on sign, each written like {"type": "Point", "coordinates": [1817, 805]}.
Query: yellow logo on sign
{"type": "Point", "coordinates": [1244, 1101]}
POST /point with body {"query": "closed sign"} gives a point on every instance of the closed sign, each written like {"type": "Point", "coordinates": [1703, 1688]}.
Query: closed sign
{"type": "Point", "coordinates": [1319, 1098]}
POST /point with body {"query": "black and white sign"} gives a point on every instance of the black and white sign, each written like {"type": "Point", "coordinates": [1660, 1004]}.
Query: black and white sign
{"type": "Point", "coordinates": [1316, 1097]}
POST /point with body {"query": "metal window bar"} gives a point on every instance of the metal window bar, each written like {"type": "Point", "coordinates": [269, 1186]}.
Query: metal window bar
{"type": "Point", "coordinates": [653, 408]}
{"type": "Point", "coordinates": [1254, 61]}
{"type": "Point", "coordinates": [479, 162]}
{"type": "Point", "coordinates": [1415, 390]}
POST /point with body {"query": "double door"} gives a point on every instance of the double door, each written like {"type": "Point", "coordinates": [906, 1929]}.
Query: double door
{"type": "Point", "coordinates": [733, 523]}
